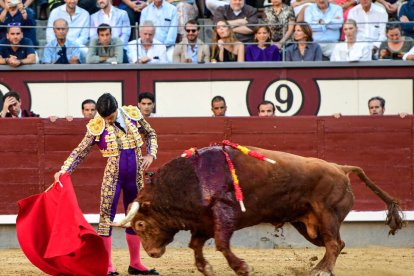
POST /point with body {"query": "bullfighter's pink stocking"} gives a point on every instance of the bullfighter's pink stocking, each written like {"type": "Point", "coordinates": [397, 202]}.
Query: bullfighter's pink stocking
{"type": "Point", "coordinates": [134, 252]}
{"type": "Point", "coordinates": [108, 243]}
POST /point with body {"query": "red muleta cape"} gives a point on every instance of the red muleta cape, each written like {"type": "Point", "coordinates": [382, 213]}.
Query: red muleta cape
{"type": "Point", "coordinates": [55, 236]}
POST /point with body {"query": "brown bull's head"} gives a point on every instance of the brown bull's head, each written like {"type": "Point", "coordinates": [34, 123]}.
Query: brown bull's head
{"type": "Point", "coordinates": [154, 235]}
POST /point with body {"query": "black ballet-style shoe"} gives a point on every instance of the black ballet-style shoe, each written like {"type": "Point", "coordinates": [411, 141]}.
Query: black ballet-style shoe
{"type": "Point", "coordinates": [113, 273]}
{"type": "Point", "coordinates": [134, 271]}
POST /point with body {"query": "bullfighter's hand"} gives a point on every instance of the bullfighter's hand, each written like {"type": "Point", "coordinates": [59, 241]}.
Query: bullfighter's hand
{"type": "Point", "coordinates": [57, 176]}
{"type": "Point", "coordinates": [146, 161]}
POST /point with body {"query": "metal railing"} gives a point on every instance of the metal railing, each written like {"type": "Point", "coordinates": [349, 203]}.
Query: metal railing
{"type": "Point", "coordinates": [204, 28]}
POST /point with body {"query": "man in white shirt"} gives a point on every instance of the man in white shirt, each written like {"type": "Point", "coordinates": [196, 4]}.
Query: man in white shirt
{"type": "Point", "coordinates": [78, 20]}
{"type": "Point", "coordinates": [146, 49]}
{"type": "Point", "coordinates": [114, 17]}
{"type": "Point", "coordinates": [409, 55]}
{"type": "Point", "coordinates": [371, 21]}
{"type": "Point", "coordinates": [164, 16]}
{"type": "Point", "coordinates": [212, 5]}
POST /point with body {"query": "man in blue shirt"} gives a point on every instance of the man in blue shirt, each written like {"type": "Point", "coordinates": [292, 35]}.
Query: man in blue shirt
{"type": "Point", "coordinates": [406, 15]}
{"type": "Point", "coordinates": [114, 17]}
{"type": "Point", "coordinates": [326, 21]}
{"type": "Point", "coordinates": [11, 53]}
{"type": "Point", "coordinates": [78, 20]}
{"type": "Point", "coordinates": [165, 19]}
{"type": "Point", "coordinates": [17, 13]}
{"type": "Point", "coordinates": [61, 50]}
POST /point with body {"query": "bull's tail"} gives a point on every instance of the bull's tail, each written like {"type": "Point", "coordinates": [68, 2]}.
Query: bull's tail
{"type": "Point", "coordinates": [395, 219]}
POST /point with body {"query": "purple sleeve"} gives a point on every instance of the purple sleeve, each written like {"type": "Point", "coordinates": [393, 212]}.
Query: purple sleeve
{"type": "Point", "coordinates": [249, 55]}
{"type": "Point", "coordinates": [276, 54]}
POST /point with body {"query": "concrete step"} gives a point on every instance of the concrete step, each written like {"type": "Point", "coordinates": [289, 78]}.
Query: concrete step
{"type": "Point", "coordinates": [41, 30]}
{"type": "Point", "coordinates": [206, 29]}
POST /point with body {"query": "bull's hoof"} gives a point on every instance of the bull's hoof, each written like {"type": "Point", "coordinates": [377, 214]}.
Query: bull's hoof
{"type": "Point", "coordinates": [317, 272]}
{"type": "Point", "coordinates": [207, 270]}
{"type": "Point", "coordinates": [243, 270]}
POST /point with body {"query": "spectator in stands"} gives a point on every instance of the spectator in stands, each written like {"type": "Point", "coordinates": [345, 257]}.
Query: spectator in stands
{"type": "Point", "coordinates": [88, 5]}
{"type": "Point", "coordinates": [326, 21]}
{"type": "Point", "coordinates": [225, 46]}
{"type": "Point", "coordinates": [61, 50]}
{"type": "Point", "coordinates": [409, 55]}
{"type": "Point", "coordinates": [304, 49]}
{"type": "Point", "coordinates": [12, 107]}
{"type": "Point", "coordinates": [146, 104]}
{"type": "Point", "coordinates": [186, 10]}
{"type": "Point", "coordinates": [351, 50]}
{"type": "Point", "coordinates": [371, 20]}
{"type": "Point", "coordinates": [191, 49]}
{"type": "Point", "coordinates": [147, 49]}
{"type": "Point", "coordinates": [299, 8]}
{"type": "Point", "coordinates": [396, 46]}
{"type": "Point", "coordinates": [405, 15]}
{"type": "Point", "coordinates": [43, 7]}
{"type": "Point", "coordinates": [40, 4]}
{"type": "Point", "coordinates": [376, 106]}
{"type": "Point", "coordinates": [213, 5]}
{"type": "Point", "coordinates": [263, 50]}
{"type": "Point", "coordinates": [266, 109]}
{"type": "Point", "coordinates": [391, 6]}
{"type": "Point", "coordinates": [240, 16]}
{"type": "Point", "coordinates": [134, 9]}
{"type": "Point", "coordinates": [78, 20]}
{"type": "Point", "coordinates": [165, 19]}
{"type": "Point", "coordinates": [14, 12]}
{"type": "Point", "coordinates": [88, 109]}
{"type": "Point", "coordinates": [346, 6]}
{"type": "Point", "coordinates": [16, 50]}
{"type": "Point", "coordinates": [114, 17]}
{"type": "Point", "coordinates": [281, 20]}
{"type": "Point", "coordinates": [105, 48]}
{"type": "Point", "coordinates": [218, 106]}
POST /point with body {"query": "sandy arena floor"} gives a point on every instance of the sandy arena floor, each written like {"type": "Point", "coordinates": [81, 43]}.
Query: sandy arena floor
{"type": "Point", "coordinates": [376, 261]}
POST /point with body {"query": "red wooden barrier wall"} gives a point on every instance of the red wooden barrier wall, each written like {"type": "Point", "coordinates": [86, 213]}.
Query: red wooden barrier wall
{"type": "Point", "coordinates": [31, 150]}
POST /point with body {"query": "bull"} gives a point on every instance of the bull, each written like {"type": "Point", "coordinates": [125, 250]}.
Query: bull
{"type": "Point", "coordinates": [197, 194]}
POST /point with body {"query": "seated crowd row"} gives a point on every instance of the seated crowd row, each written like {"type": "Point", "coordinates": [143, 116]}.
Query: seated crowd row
{"type": "Point", "coordinates": [12, 107]}
{"type": "Point", "coordinates": [237, 36]}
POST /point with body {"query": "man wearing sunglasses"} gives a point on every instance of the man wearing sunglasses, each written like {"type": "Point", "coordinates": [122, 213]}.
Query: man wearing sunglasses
{"type": "Point", "coordinates": [11, 53]}
{"type": "Point", "coordinates": [191, 49]}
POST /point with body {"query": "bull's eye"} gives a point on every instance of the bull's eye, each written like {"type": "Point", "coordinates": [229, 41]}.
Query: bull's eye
{"type": "Point", "coordinates": [140, 225]}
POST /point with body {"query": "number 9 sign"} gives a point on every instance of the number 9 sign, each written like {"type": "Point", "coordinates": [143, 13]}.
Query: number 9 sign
{"type": "Point", "coordinates": [286, 96]}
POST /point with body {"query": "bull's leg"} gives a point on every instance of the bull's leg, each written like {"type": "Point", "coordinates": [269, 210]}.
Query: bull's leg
{"type": "Point", "coordinates": [224, 226]}
{"type": "Point", "coordinates": [329, 233]}
{"type": "Point", "coordinates": [301, 227]}
{"type": "Point", "coordinates": [197, 243]}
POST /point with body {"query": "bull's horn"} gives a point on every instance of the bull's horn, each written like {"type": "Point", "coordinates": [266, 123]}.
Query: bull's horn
{"type": "Point", "coordinates": [127, 220]}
